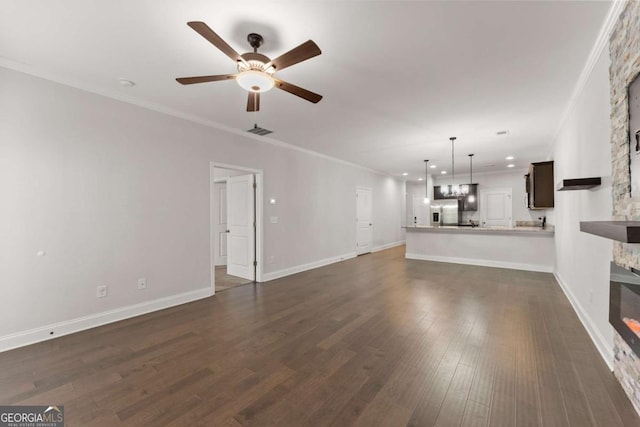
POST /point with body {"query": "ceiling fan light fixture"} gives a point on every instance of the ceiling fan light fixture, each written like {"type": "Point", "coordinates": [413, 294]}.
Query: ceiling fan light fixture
{"type": "Point", "coordinates": [255, 81]}
{"type": "Point", "coordinates": [255, 70]}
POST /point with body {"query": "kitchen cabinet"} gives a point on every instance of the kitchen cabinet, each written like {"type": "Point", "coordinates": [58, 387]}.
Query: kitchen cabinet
{"type": "Point", "coordinates": [468, 205]}
{"type": "Point", "coordinates": [465, 204]}
{"type": "Point", "coordinates": [437, 194]}
{"type": "Point", "coordinates": [539, 186]}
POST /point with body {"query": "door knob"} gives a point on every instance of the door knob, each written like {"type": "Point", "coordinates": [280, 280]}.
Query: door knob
{"type": "Point", "coordinates": [370, 224]}
{"type": "Point", "coordinates": [227, 231]}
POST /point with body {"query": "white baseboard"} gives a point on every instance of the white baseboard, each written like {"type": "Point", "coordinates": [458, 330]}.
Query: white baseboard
{"type": "Point", "coordinates": [483, 262]}
{"type": "Point", "coordinates": [606, 350]}
{"type": "Point", "coordinates": [304, 267]}
{"type": "Point", "coordinates": [388, 246]}
{"type": "Point", "coordinates": [32, 336]}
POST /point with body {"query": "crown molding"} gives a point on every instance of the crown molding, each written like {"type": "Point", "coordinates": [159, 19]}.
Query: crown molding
{"type": "Point", "coordinates": [601, 42]}
{"type": "Point", "coordinates": [163, 109]}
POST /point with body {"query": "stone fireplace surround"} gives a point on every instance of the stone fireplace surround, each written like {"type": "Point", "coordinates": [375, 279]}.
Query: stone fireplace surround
{"type": "Point", "coordinates": [624, 51]}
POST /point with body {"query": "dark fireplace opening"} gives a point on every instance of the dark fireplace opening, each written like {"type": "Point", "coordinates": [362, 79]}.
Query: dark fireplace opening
{"type": "Point", "coordinates": [624, 304]}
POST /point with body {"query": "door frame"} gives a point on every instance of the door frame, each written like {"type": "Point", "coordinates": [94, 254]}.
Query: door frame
{"type": "Point", "coordinates": [259, 174]}
{"type": "Point", "coordinates": [213, 212]}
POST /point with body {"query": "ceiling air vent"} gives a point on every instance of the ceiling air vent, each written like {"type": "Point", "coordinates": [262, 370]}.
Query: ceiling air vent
{"type": "Point", "coordinates": [259, 131]}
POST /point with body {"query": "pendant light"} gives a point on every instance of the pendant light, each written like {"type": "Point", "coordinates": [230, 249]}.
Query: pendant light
{"type": "Point", "coordinates": [453, 189]}
{"type": "Point", "coordinates": [426, 182]}
{"type": "Point", "coordinates": [471, 198]}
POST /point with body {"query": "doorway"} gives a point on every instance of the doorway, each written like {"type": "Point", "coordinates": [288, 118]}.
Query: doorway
{"type": "Point", "coordinates": [364, 220]}
{"type": "Point", "coordinates": [236, 226]}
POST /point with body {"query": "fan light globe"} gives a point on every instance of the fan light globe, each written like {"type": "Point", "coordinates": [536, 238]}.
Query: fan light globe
{"type": "Point", "coordinates": [255, 81]}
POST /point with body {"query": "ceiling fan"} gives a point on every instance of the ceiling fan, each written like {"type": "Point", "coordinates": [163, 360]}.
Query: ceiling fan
{"type": "Point", "coordinates": [256, 72]}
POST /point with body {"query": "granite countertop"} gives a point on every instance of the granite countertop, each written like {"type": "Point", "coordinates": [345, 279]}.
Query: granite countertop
{"type": "Point", "coordinates": [548, 230]}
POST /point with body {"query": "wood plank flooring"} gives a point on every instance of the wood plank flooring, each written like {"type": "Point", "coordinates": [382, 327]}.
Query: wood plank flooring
{"type": "Point", "coordinates": [373, 341]}
{"type": "Point", "coordinates": [226, 281]}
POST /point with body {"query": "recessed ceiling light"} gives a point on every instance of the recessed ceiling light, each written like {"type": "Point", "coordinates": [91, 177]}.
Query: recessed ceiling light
{"type": "Point", "coordinates": [405, 173]}
{"type": "Point", "coordinates": [126, 83]}
{"type": "Point", "coordinates": [503, 132]}
{"type": "Point", "coordinates": [510, 165]}
{"type": "Point", "coordinates": [509, 158]}
{"type": "Point", "coordinates": [443, 172]}
{"type": "Point", "coordinates": [419, 179]}
{"type": "Point", "coordinates": [433, 166]}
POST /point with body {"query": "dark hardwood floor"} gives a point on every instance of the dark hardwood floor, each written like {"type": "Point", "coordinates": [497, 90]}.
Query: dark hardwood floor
{"type": "Point", "coordinates": [226, 281]}
{"type": "Point", "coordinates": [373, 341]}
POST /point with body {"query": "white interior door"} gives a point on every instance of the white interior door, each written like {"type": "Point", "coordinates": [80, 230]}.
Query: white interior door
{"type": "Point", "coordinates": [420, 211]}
{"type": "Point", "coordinates": [241, 226]}
{"type": "Point", "coordinates": [495, 208]}
{"type": "Point", "coordinates": [220, 252]}
{"type": "Point", "coordinates": [364, 221]}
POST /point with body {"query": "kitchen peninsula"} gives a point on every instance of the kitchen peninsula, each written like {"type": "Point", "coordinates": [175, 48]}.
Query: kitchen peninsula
{"type": "Point", "coordinates": [519, 248]}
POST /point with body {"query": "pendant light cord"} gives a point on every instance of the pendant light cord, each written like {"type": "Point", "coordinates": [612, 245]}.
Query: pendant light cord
{"type": "Point", "coordinates": [453, 170]}
{"type": "Point", "coordinates": [426, 179]}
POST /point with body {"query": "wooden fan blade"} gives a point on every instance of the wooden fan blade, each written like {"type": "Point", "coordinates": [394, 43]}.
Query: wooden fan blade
{"type": "Point", "coordinates": [301, 53]}
{"type": "Point", "coordinates": [206, 32]}
{"type": "Point", "coordinates": [298, 91]}
{"type": "Point", "coordinates": [204, 79]}
{"type": "Point", "coordinates": [253, 103]}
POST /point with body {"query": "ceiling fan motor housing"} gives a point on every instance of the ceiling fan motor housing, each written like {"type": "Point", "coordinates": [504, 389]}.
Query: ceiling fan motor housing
{"type": "Point", "coordinates": [255, 61]}
{"type": "Point", "coordinates": [255, 40]}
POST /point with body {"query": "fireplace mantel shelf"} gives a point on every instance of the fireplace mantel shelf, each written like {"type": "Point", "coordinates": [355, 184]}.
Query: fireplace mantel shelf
{"type": "Point", "coordinates": [622, 231]}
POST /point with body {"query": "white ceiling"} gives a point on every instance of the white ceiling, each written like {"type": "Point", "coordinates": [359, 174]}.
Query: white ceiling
{"type": "Point", "coordinates": [398, 77]}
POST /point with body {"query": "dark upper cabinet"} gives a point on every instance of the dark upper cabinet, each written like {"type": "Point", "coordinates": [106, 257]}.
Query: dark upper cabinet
{"type": "Point", "coordinates": [471, 205]}
{"type": "Point", "coordinates": [466, 204]}
{"type": "Point", "coordinates": [539, 185]}
{"type": "Point", "coordinates": [437, 195]}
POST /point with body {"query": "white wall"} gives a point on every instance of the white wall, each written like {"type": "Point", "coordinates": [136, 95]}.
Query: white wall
{"type": "Point", "coordinates": [582, 150]}
{"type": "Point", "coordinates": [513, 179]}
{"type": "Point", "coordinates": [520, 250]}
{"type": "Point", "coordinates": [113, 192]}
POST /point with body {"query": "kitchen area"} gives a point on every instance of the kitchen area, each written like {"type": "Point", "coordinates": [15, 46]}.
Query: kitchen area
{"type": "Point", "coordinates": [498, 219]}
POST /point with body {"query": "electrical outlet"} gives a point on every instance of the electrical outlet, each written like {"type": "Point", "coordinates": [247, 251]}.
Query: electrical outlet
{"type": "Point", "coordinates": [272, 259]}
{"type": "Point", "coordinates": [142, 283]}
{"type": "Point", "coordinates": [101, 291]}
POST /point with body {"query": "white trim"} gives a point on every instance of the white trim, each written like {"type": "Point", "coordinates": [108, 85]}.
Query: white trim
{"type": "Point", "coordinates": [159, 108]}
{"type": "Point", "coordinates": [482, 262]}
{"type": "Point", "coordinates": [309, 266]}
{"type": "Point", "coordinates": [388, 246]}
{"type": "Point", "coordinates": [601, 42]}
{"type": "Point", "coordinates": [259, 174]}
{"type": "Point", "coordinates": [32, 336]}
{"type": "Point", "coordinates": [606, 351]}
{"type": "Point", "coordinates": [321, 263]}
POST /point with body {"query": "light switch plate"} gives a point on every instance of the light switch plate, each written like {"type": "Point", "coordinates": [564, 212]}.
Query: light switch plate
{"type": "Point", "coordinates": [101, 291]}
{"type": "Point", "coordinates": [274, 220]}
